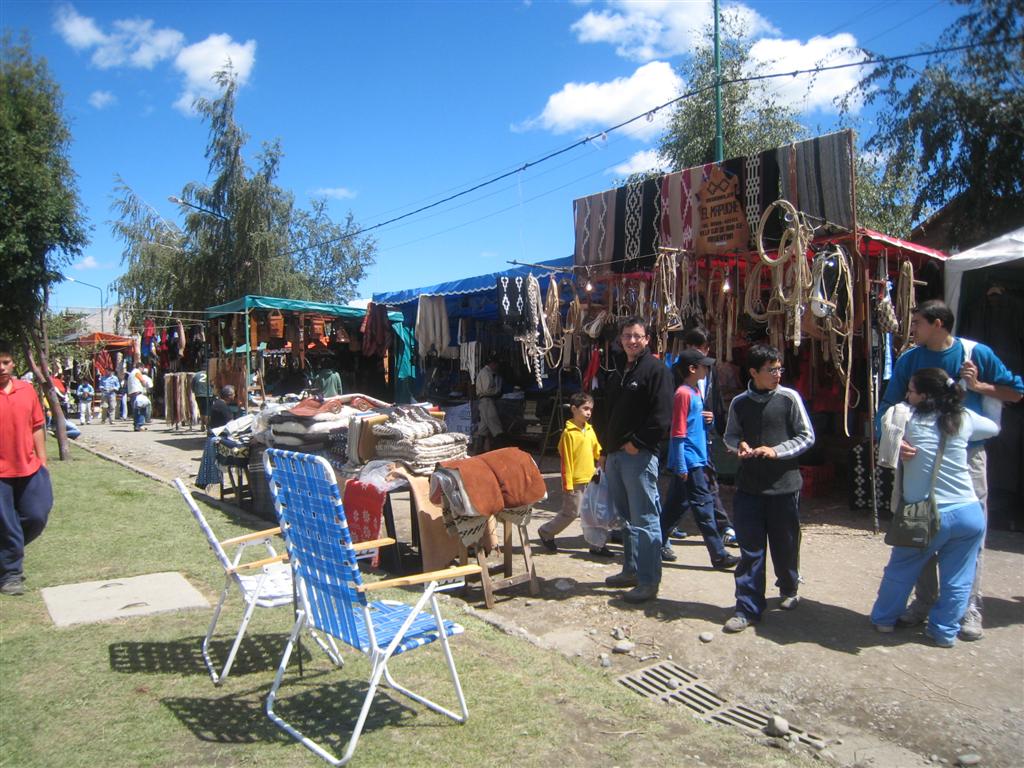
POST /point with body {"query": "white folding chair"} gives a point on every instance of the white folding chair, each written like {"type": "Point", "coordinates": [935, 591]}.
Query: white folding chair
{"type": "Point", "coordinates": [332, 595]}
{"type": "Point", "coordinates": [264, 583]}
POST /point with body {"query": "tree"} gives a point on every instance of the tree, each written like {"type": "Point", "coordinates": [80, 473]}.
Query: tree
{"type": "Point", "coordinates": [242, 234]}
{"type": "Point", "coordinates": [42, 227]}
{"type": "Point", "coordinates": [956, 121]}
{"type": "Point", "coordinates": [752, 118]}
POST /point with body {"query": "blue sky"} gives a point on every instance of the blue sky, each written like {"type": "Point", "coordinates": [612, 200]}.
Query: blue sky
{"type": "Point", "coordinates": [384, 107]}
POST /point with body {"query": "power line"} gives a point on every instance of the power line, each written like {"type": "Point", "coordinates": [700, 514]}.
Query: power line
{"type": "Point", "coordinates": [649, 114]}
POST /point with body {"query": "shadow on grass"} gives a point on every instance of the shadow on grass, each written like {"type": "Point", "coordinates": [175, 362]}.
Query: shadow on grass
{"type": "Point", "coordinates": [323, 712]}
{"type": "Point", "coordinates": [257, 653]}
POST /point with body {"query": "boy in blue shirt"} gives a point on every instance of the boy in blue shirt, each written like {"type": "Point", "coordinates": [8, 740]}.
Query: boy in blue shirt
{"type": "Point", "coordinates": [987, 384]}
{"type": "Point", "coordinates": [84, 394]}
{"type": "Point", "coordinates": [688, 461]}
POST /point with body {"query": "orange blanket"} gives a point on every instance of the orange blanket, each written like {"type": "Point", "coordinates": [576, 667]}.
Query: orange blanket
{"type": "Point", "coordinates": [502, 479]}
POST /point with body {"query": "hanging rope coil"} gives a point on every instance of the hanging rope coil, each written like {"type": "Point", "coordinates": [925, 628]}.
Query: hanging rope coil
{"type": "Point", "coordinates": [832, 279]}
{"type": "Point", "coordinates": [790, 285]}
{"type": "Point", "coordinates": [904, 304]}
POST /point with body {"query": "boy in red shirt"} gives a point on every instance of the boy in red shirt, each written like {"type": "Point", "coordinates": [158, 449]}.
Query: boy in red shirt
{"type": "Point", "coordinates": [25, 492]}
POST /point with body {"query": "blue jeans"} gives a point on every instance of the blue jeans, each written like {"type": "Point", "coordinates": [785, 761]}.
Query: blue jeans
{"type": "Point", "coordinates": [633, 492]}
{"type": "Point", "coordinates": [693, 493]}
{"type": "Point", "coordinates": [25, 504]}
{"type": "Point", "coordinates": [765, 522]}
{"type": "Point", "coordinates": [956, 546]}
{"type": "Point", "coordinates": [140, 415]}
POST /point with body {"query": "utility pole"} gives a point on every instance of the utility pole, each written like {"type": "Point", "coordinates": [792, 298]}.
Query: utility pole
{"type": "Point", "coordinates": [719, 148]}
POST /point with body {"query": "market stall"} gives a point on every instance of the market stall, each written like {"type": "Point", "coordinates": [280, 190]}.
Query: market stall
{"type": "Point", "coordinates": [264, 345]}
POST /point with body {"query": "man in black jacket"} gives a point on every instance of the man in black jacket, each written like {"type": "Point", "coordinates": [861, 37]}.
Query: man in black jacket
{"type": "Point", "coordinates": [639, 403]}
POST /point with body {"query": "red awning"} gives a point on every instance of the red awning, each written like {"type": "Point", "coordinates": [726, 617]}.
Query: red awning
{"type": "Point", "coordinates": [105, 340]}
{"type": "Point", "coordinates": [874, 242]}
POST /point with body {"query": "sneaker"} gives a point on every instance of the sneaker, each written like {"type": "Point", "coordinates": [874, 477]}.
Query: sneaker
{"type": "Point", "coordinates": [885, 629]}
{"type": "Point", "coordinates": [601, 552]}
{"type": "Point", "coordinates": [668, 555]}
{"type": "Point", "coordinates": [678, 533]}
{"type": "Point", "coordinates": [725, 562]}
{"type": "Point", "coordinates": [789, 602]}
{"type": "Point", "coordinates": [737, 623]}
{"type": "Point", "coordinates": [970, 625]}
{"type": "Point", "coordinates": [13, 586]}
{"type": "Point", "coordinates": [915, 614]}
{"type": "Point", "coordinates": [548, 544]}
{"type": "Point", "coordinates": [729, 538]}
{"type": "Point", "coordinates": [621, 580]}
{"type": "Point", "coordinates": [641, 593]}
{"type": "Point", "coordinates": [941, 642]}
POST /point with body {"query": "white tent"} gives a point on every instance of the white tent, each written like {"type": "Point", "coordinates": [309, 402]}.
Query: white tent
{"type": "Point", "coordinates": [1006, 251]}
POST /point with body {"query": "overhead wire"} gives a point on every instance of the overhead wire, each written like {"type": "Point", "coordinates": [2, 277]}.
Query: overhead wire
{"type": "Point", "coordinates": [870, 60]}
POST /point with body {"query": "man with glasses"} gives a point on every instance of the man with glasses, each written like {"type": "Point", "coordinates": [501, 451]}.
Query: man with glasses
{"type": "Point", "coordinates": [639, 403]}
{"type": "Point", "coordinates": [768, 429]}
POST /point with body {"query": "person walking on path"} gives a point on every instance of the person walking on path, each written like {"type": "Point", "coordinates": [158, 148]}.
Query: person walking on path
{"type": "Point", "coordinates": [109, 385]}
{"type": "Point", "coordinates": [26, 495]}
{"type": "Point", "coordinates": [768, 428]}
{"type": "Point", "coordinates": [579, 450]}
{"type": "Point", "coordinates": [714, 420]}
{"type": "Point", "coordinates": [138, 401]}
{"type": "Point", "coordinates": [639, 402]}
{"type": "Point", "coordinates": [937, 413]}
{"type": "Point", "coordinates": [987, 383]}
{"type": "Point", "coordinates": [688, 462]}
{"type": "Point", "coordinates": [84, 393]}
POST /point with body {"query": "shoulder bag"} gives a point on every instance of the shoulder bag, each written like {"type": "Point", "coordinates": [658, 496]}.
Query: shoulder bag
{"type": "Point", "coordinates": [915, 524]}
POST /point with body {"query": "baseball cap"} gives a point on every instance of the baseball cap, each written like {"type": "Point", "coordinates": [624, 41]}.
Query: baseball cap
{"type": "Point", "coordinates": [693, 356]}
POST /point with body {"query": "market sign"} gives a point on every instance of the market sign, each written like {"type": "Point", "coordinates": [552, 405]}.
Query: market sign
{"type": "Point", "coordinates": [722, 218]}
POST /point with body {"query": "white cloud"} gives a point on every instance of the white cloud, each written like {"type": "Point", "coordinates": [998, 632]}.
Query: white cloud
{"type": "Point", "coordinates": [101, 99]}
{"type": "Point", "coordinates": [807, 92]}
{"type": "Point", "coordinates": [644, 30]}
{"type": "Point", "coordinates": [200, 61]}
{"type": "Point", "coordinates": [88, 262]}
{"type": "Point", "coordinates": [337, 193]}
{"type": "Point", "coordinates": [598, 105]}
{"type": "Point", "coordinates": [132, 42]}
{"type": "Point", "coordinates": [80, 32]}
{"type": "Point", "coordinates": [138, 43]}
{"type": "Point", "coordinates": [645, 160]}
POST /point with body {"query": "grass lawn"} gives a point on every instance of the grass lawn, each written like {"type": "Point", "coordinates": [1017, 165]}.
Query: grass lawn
{"type": "Point", "coordinates": [135, 692]}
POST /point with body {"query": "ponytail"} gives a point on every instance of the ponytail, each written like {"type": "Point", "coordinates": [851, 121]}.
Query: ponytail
{"type": "Point", "coordinates": [940, 395]}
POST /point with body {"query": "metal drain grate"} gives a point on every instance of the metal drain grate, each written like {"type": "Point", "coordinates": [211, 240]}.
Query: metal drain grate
{"type": "Point", "coordinates": [671, 683]}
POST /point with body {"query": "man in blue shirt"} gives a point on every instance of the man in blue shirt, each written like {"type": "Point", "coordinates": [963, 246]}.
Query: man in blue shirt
{"type": "Point", "coordinates": [109, 385]}
{"type": "Point", "coordinates": [987, 384]}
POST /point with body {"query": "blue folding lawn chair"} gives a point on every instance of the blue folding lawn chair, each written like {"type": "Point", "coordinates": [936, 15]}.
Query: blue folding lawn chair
{"type": "Point", "coordinates": [332, 595]}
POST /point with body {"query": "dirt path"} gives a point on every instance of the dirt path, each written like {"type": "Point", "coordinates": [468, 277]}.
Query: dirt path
{"type": "Point", "coordinates": [884, 700]}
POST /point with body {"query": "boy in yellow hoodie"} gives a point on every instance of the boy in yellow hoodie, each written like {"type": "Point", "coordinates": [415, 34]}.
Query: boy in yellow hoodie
{"type": "Point", "coordinates": [580, 451]}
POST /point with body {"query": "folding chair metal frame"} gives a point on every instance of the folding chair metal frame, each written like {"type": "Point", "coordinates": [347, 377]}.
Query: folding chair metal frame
{"type": "Point", "coordinates": [271, 588]}
{"type": "Point", "coordinates": [332, 596]}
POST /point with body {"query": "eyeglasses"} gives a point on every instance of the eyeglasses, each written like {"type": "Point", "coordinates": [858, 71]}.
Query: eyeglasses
{"type": "Point", "coordinates": [634, 336]}
{"type": "Point", "coordinates": [776, 371]}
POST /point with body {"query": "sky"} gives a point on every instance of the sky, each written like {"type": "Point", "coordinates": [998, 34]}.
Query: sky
{"type": "Point", "coordinates": [384, 107]}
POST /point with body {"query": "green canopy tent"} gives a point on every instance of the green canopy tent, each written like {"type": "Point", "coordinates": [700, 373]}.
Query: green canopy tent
{"type": "Point", "coordinates": [404, 372]}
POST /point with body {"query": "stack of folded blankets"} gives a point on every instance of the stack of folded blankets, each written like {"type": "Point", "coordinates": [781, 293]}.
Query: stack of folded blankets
{"type": "Point", "coordinates": [308, 426]}
{"type": "Point", "coordinates": [417, 439]}
{"type": "Point", "coordinates": [503, 484]}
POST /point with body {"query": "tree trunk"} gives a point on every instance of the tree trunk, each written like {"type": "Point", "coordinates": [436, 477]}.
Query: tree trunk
{"type": "Point", "coordinates": [41, 372]}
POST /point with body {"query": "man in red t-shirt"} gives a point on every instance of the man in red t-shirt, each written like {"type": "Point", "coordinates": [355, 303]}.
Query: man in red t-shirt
{"type": "Point", "coordinates": [25, 492]}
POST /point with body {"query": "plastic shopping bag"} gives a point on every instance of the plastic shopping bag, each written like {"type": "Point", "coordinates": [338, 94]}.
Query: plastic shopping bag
{"type": "Point", "coordinates": [597, 516]}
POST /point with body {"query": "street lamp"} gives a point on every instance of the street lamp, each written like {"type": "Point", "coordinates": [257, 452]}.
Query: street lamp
{"type": "Point", "coordinates": [179, 201]}
{"type": "Point", "coordinates": [102, 308]}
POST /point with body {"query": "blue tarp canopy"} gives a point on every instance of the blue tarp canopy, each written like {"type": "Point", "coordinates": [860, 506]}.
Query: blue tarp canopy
{"type": "Point", "coordinates": [290, 305]}
{"type": "Point", "coordinates": [467, 285]}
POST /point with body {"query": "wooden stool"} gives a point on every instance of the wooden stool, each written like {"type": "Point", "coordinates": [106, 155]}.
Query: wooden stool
{"type": "Point", "coordinates": [508, 580]}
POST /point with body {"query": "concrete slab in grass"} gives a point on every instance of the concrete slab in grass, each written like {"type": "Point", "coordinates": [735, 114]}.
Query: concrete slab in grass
{"type": "Point", "coordinates": [93, 601]}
